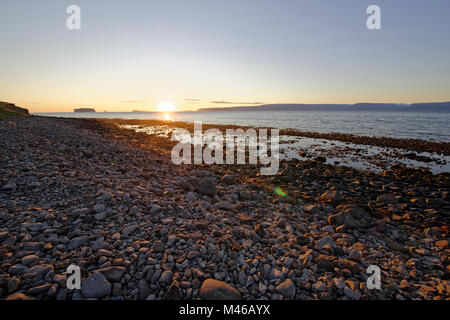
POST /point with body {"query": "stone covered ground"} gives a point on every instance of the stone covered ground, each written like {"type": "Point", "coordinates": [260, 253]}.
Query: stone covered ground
{"type": "Point", "coordinates": [110, 201]}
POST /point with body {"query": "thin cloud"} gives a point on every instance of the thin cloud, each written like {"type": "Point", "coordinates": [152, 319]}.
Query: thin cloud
{"type": "Point", "coordinates": [192, 100]}
{"type": "Point", "coordinates": [130, 101]}
{"type": "Point", "coordinates": [231, 102]}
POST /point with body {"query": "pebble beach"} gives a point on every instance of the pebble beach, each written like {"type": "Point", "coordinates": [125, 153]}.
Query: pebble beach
{"type": "Point", "coordinates": [109, 200]}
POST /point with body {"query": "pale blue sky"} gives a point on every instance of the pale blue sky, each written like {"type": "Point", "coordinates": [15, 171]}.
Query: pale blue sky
{"type": "Point", "coordinates": [134, 54]}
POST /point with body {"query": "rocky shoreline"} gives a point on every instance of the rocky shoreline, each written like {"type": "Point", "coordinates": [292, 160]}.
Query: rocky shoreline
{"type": "Point", "coordinates": [411, 145]}
{"type": "Point", "coordinates": [110, 201]}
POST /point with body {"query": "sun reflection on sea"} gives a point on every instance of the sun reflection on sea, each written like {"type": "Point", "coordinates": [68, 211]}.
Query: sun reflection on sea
{"type": "Point", "coordinates": [167, 117]}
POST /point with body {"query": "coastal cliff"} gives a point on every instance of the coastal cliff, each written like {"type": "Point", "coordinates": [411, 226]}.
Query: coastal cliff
{"type": "Point", "coordinates": [10, 110]}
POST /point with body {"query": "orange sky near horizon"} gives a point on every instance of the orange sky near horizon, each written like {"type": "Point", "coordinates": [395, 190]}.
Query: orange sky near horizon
{"type": "Point", "coordinates": [180, 105]}
{"type": "Point", "coordinates": [133, 55]}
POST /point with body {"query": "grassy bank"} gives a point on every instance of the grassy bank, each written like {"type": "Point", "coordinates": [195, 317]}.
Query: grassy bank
{"type": "Point", "coordinates": [5, 113]}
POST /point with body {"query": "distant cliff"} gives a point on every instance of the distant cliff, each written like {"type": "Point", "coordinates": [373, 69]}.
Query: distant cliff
{"type": "Point", "coordinates": [8, 110]}
{"type": "Point", "coordinates": [13, 108]}
{"type": "Point", "coordinates": [84, 110]}
{"type": "Point", "coordinates": [418, 107]}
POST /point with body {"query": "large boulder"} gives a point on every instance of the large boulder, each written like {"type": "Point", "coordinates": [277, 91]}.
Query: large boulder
{"type": "Point", "coordinates": [96, 286]}
{"type": "Point", "coordinates": [349, 217]}
{"type": "Point", "coordinates": [217, 290]}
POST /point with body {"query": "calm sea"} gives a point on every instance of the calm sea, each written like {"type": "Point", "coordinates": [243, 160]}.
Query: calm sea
{"type": "Point", "coordinates": [427, 126]}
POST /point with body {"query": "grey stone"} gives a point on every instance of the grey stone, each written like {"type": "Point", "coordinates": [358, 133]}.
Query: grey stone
{"type": "Point", "coordinates": [166, 277]}
{"type": "Point", "coordinates": [96, 286]}
{"type": "Point", "coordinates": [207, 186]}
{"type": "Point", "coordinates": [113, 273]}
{"type": "Point", "coordinates": [286, 288]}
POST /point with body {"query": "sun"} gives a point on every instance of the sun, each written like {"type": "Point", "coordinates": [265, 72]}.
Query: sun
{"type": "Point", "coordinates": [166, 106]}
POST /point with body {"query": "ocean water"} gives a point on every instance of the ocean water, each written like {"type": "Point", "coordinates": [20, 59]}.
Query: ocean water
{"type": "Point", "coordinates": [427, 126]}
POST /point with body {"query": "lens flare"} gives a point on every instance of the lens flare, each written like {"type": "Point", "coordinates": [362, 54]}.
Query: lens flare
{"type": "Point", "coordinates": [279, 192]}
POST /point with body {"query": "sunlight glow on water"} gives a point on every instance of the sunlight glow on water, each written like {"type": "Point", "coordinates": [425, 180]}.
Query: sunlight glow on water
{"type": "Point", "coordinates": [427, 126]}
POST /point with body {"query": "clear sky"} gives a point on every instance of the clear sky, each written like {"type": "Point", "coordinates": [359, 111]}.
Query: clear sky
{"type": "Point", "coordinates": [134, 54]}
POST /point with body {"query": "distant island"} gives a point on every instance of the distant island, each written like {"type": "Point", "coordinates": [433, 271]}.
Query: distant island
{"type": "Point", "coordinates": [84, 110]}
{"type": "Point", "coordinates": [417, 107]}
